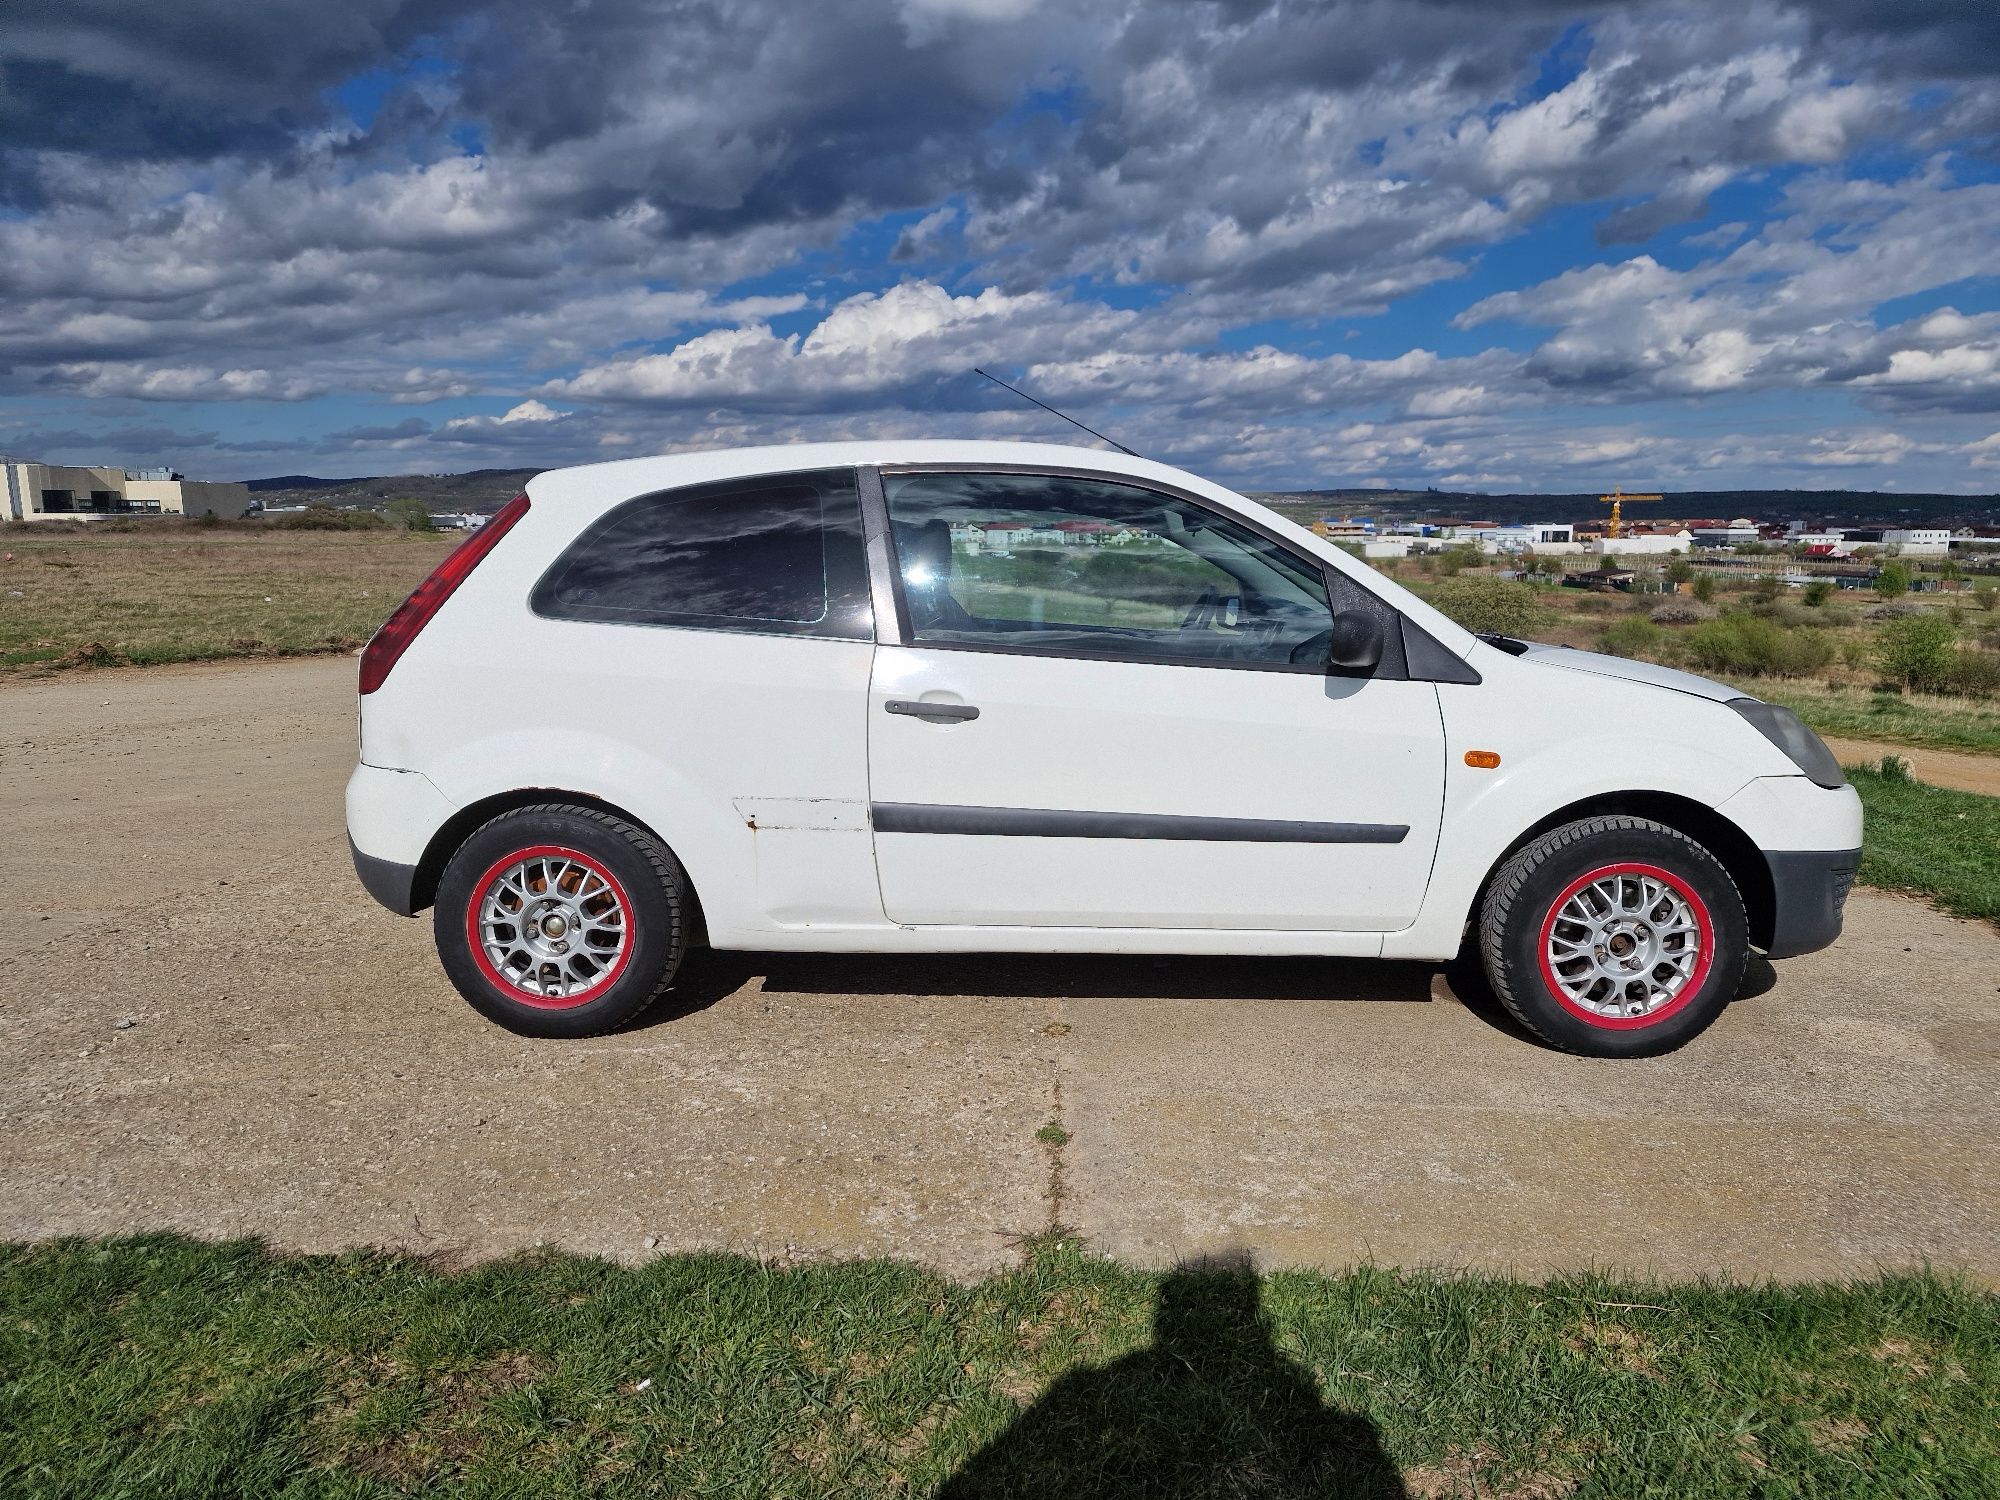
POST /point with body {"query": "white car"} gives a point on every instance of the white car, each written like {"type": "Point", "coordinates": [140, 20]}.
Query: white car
{"type": "Point", "coordinates": [923, 697]}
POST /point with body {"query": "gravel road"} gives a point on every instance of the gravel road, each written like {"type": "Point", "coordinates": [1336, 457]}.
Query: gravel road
{"type": "Point", "coordinates": [206, 1025]}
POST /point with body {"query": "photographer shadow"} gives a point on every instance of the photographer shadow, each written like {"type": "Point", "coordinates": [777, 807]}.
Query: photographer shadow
{"type": "Point", "coordinates": [1210, 1408]}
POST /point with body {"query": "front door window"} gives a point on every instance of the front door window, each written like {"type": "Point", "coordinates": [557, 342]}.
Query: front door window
{"type": "Point", "coordinates": [1086, 567]}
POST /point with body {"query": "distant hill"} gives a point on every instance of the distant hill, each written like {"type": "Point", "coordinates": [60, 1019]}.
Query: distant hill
{"type": "Point", "coordinates": [479, 489]}
{"type": "Point", "coordinates": [488, 489]}
{"type": "Point", "coordinates": [1833, 507]}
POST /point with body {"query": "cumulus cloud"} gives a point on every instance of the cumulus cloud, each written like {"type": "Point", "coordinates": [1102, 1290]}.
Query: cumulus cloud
{"type": "Point", "coordinates": [653, 222]}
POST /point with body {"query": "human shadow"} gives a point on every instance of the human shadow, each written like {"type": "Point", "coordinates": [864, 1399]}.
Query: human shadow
{"type": "Point", "coordinates": [1210, 1408]}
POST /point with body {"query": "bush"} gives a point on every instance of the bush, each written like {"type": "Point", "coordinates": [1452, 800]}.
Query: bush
{"type": "Point", "coordinates": [1987, 597]}
{"type": "Point", "coordinates": [1818, 592]}
{"type": "Point", "coordinates": [412, 515]}
{"type": "Point", "coordinates": [1742, 643]}
{"type": "Point", "coordinates": [1913, 652]}
{"type": "Point", "coordinates": [1683, 612]}
{"type": "Point", "coordinates": [1703, 587]}
{"type": "Point", "coordinates": [1635, 635]}
{"type": "Point", "coordinates": [326, 518]}
{"type": "Point", "coordinates": [1892, 580]}
{"type": "Point", "coordinates": [1491, 606]}
{"type": "Point", "coordinates": [1899, 611]}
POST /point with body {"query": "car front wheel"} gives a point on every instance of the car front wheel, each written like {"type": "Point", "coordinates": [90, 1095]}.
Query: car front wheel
{"type": "Point", "coordinates": [1614, 937]}
{"type": "Point", "coordinates": [561, 921]}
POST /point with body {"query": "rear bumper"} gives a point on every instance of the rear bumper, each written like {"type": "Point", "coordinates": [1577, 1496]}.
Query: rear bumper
{"type": "Point", "coordinates": [392, 884]}
{"type": "Point", "coordinates": [1809, 890]}
{"type": "Point", "coordinates": [392, 817]}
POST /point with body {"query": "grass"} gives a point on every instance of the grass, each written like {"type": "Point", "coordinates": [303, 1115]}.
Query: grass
{"type": "Point", "coordinates": [161, 1367]}
{"type": "Point", "coordinates": [171, 591]}
{"type": "Point", "coordinates": [1936, 842]}
{"type": "Point", "coordinates": [1894, 718]}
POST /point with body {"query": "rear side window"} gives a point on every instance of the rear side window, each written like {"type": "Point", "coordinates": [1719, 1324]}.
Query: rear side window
{"type": "Point", "coordinates": [779, 554]}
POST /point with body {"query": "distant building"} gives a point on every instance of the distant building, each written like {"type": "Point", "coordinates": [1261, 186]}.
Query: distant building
{"type": "Point", "coordinates": [69, 492]}
{"type": "Point", "coordinates": [1726, 534]}
{"type": "Point", "coordinates": [1929, 541]}
{"type": "Point", "coordinates": [1540, 536]}
{"type": "Point", "coordinates": [1643, 544]}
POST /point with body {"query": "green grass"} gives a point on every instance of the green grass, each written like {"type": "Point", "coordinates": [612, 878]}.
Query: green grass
{"type": "Point", "coordinates": [1939, 843]}
{"type": "Point", "coordinates": [169, 591]}
{"type": "Point", "coordinates": [1895, 718]}
{"type": "Point", "coordinates": [159, 1367]}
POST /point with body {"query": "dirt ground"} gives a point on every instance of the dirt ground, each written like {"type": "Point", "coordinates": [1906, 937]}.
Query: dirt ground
{"type": "Point", "coordinates": [1957, 769]}
{"type": "Point", "coordinates": [208, 1026]}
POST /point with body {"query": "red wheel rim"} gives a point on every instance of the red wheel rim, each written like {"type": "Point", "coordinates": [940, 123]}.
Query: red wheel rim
{"type": "Point", "coordinates": [550, 926]}
{"type": "Point", "coordinates": [1626, 945]}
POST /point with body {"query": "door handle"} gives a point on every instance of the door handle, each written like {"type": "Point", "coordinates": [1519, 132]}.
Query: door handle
{"type": "Point", "coordinates": [942, 713]}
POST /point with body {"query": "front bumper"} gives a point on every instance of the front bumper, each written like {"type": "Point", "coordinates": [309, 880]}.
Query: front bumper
{"type": "Point", "coordinates": [1809, 894]}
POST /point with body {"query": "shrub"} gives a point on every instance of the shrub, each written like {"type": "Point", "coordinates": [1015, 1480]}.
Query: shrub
{"type": "Point", "coordinates": [1916, 652]}
{"type": "Point", "coordinates": [1898, 611]}
{"type": "Point", "coordinates": [1683, 612]}
{"type": "Point", "coordinates": [1635, 635]}
{"type": "Point", "coordinates": [1703, 587]}
{"type": "Point", "coordinates": [1987, 597]}
{"type": "Point", "coordinates": [326, 518]}
{"type": "Point", "coordinates": [1971, 674]}
{"type": "Point", "coordinates": [1892, 580]}
{"type": "Point", "coordinates": [1818, 592]}
{"type": "Point", "coordinates": [412, 515]}
{"type": "Point", "coordinates": [1490, 606]}
{"type": "Point", "coordinates": [1743, 643]}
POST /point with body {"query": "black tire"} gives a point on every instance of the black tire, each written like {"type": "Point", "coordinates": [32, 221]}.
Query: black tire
{"type": "Point", "coordinates": [627, 979]}
{"type": "Point", "coordinates": [1518, 914]}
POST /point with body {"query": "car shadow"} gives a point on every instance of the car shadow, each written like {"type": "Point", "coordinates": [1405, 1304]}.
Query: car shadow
{"type": "Point", "coordinates": [1210, 1407]}
{"type": "Point", "coordinates": [710, 976]}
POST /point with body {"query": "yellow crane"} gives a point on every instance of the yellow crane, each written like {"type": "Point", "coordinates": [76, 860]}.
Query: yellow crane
{"type": "Point", "coordinates": [1617, 498]}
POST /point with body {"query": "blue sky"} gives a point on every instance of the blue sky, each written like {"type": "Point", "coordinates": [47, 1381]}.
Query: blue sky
{"type": "Point", "coordinates": [1511, 245]}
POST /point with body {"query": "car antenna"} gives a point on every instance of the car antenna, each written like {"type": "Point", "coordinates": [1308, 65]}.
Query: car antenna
{"type": "Point", "coordinates": [1064, 415]}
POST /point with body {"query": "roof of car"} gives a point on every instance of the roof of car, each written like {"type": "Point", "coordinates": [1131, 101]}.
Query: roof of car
{"type": "Point", "coordinates": [634, 476]}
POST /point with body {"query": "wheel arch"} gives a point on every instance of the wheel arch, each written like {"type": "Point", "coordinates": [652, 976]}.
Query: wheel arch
{"type": "Point", "coordinates": [461, 825]}
{"type": "Point", "coordinates": [1734, 848]}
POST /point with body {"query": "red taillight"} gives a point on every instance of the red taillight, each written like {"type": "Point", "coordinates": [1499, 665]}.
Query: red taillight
{"type": "Point", "coordinates": [388, 644]}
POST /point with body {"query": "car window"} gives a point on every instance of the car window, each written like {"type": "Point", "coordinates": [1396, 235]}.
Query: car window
{"type": "Point", "coordinates": [778, 554]}
{"type": "Point", "coordinates": [1091, 567]}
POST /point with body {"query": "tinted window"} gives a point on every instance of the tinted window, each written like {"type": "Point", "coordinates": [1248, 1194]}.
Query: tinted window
{"type": "Point", "coordinates": [1091, 567]}
{"type": "Point", "coordinates": [777, 554]}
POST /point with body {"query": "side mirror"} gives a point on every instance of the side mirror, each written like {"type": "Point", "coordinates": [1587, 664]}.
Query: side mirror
{"type": "Point", "coordinates": [1355, 642]}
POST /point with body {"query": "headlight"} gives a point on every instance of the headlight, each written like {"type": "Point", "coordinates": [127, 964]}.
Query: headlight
{"type": "Point", "coordinates": [1788, 732]}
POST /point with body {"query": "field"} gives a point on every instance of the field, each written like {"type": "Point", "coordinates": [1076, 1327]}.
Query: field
{"type": "Point", "coordinates": [162, 1366]}
{"type": "Point", "coordinates": [146, 593]}
{"type": "Point", "coordinates": [1920, 670]}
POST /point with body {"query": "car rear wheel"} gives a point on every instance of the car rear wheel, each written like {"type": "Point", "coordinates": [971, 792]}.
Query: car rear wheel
{"type": "Point", "coordinates": [1614, 937]}
{"type": "Point", "coordinates": [561, 921]}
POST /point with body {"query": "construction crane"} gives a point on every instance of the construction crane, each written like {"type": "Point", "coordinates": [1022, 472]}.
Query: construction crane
{"type": "Point", "coordinates": [1617, 498]}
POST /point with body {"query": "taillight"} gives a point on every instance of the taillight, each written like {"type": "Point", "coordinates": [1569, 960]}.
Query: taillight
{"type": "Point", "coordinates": [388, 644]}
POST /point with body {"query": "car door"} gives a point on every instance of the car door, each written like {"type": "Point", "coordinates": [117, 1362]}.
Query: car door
{"type": "Point", "coordinates": [1109, 708]}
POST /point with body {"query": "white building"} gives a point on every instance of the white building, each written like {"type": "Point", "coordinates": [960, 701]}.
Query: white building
{"type": "Point", "coordinates": [1742, 529]}
{"type": "Point", "coordinates": [1645, 544]}
{"type": "Point", "coordinates": [31, 491]}
{"type": "Point", "coordinates": [1540, 536]}
{"type": "Point", "coordinates": [1921, 541]}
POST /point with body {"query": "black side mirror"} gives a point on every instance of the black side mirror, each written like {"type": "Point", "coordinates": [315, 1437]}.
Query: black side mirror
{"type": "Point", "coordinates": [1355, 642]}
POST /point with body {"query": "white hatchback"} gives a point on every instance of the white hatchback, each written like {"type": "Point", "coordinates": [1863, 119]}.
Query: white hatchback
{"type": "Point", "coordinates": [975, 696]}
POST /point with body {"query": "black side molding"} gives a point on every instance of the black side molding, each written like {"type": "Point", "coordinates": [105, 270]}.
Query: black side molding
{"type": "Point", "coordinates": [1809, 896]}
{"type": "Point", "coordinates": [392, 884]}
{"type": "Point", "coordinates": [1050, 823]}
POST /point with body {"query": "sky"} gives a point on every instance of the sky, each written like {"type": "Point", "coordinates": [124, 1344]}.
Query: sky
{"type": "Point", "coordinates": [1471, 244]}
